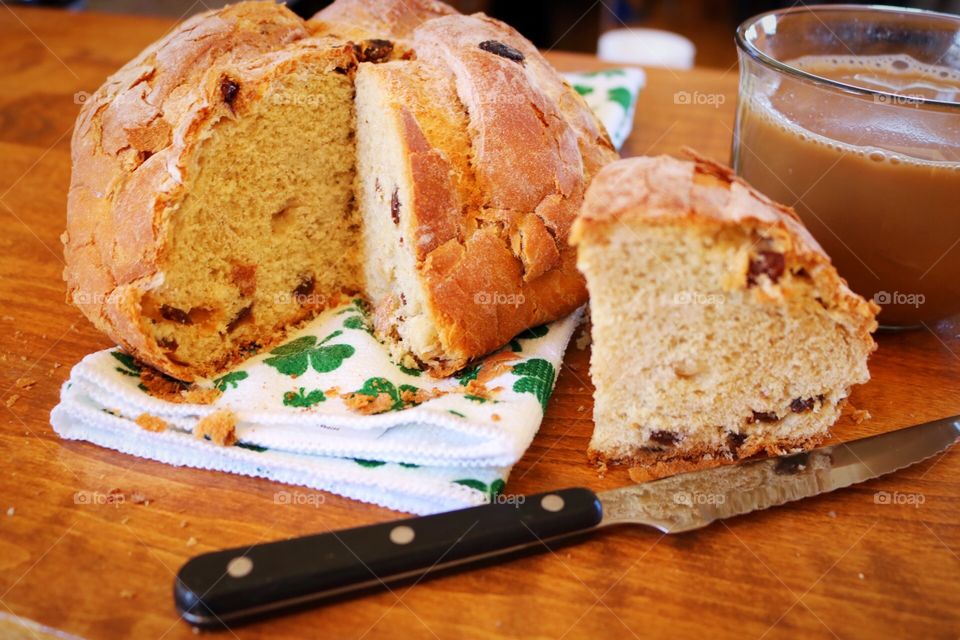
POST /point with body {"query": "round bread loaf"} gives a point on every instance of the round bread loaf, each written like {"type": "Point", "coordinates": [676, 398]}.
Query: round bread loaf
{"type": "Point", "coordinates": [250, 169]}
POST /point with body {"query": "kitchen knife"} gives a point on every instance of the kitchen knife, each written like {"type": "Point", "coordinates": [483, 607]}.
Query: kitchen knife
{"type": "Point", "coordinates": [226, 587]}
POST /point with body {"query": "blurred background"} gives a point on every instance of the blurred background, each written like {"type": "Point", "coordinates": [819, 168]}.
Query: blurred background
{"type": "Point", "coordinates": [676, 33]}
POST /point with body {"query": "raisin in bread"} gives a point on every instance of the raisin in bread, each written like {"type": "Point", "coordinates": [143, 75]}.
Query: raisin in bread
{"type": "Point", "coordinates": [251, 168]}
{"type": "Point", "coordinates": [720, 327]}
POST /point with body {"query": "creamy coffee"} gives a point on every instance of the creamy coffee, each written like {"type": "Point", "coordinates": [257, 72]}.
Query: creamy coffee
{"type": "Point", "coordinates": [876, 178]}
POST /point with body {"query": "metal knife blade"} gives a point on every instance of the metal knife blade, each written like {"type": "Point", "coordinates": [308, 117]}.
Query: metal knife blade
{"type": "Point", "coordinates": [694, 500]}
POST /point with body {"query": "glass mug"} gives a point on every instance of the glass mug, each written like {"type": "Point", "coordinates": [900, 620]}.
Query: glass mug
{"type": "Point", "coordinates": [851, 115]}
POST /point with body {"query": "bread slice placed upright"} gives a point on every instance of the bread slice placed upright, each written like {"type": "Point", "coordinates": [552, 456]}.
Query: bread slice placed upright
{"type": "Point", "coordinates": [720, 327]}
{"type": "Point", "coordinates": [248, 169]}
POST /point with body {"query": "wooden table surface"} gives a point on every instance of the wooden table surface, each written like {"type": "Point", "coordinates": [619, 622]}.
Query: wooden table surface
{"type": "Point", "coordinates": [839, 565]}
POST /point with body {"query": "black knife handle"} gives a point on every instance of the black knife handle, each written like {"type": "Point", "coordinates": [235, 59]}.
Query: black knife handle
{"type": "Point", "coordinates": [228, 586]}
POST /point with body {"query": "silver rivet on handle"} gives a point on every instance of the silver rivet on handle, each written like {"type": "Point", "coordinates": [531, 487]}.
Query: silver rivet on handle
{"type": "Point", "coordinates": [551, 502]}
{"type": "Point", "coordinates": [402, 534]}
{"type": "Point", "coordinates": [239, 567]}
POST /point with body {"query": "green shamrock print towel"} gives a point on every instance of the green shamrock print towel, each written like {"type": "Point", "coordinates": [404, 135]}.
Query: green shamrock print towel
{"type": "Point", "coordinates": [329, 410]}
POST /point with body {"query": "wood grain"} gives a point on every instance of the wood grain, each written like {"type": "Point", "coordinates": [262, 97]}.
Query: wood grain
{"type": "Point", "coordinates": [839, 565]}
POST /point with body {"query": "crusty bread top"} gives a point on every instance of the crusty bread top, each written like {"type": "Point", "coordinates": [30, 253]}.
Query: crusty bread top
{"type": "Point", "coordinates": [701, 192]}
{"type": "Point", "coordinates": [376, 18]}
{"type": "Point", "coordinates": [668, 187]}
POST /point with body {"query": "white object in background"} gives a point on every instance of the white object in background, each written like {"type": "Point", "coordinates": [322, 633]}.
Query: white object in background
{"type": "Point", "coordinates": [647, 48]}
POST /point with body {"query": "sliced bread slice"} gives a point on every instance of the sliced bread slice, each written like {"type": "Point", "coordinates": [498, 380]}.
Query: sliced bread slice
{"type": "Point", "coordinates": [720, 327]}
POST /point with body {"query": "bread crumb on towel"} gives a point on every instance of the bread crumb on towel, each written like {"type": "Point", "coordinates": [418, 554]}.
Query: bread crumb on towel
{"type": "Point", "coordinates": [148, 422]}
{"type": "Point", "coordinates": [164, 387]}
{"type": "Point", "coordinates": [220, 427]}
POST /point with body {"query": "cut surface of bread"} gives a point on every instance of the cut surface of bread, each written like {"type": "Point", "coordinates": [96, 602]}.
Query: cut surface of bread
{"type": "Point", "coordinates": [266, 234]}
{"type": "Point", "coordinates": [720, 329]}
{"type": "Point", "coordinates": [244, 172]}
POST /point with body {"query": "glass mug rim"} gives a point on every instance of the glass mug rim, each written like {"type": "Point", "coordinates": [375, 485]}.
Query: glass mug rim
{"type": "Point", "coordinates": [748, 48]}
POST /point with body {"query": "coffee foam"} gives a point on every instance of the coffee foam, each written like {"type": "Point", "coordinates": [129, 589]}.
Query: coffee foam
{"type": "Point", "coordinates": [924, 80]}
{"type": "Point", "coordinates": [763, 107]}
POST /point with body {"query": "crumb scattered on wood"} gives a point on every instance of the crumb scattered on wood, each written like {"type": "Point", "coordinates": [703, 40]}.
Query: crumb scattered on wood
{"type": "Point", "coordinates": [24, 383]}
{"type": "Point", "coordinates": [137, 497]}
{"type": "Point", "coordinates": [124, 520]}
{"type": "Point", "coordinates": [126, 594]}
{"type": "Point", "coordinates": [584, 339]}
{"type": "Point", "coordinates": [191, 541]}
{"type": "Point", "coordinates": [601, 469]}
{"type": "Point", "coordinates": [220, 427]}
{"type": "Point", "coordinates": [581, 408]}
{"type": "Point", "coordinates": [11, 511]}
{"type": "Point", "coordinates": [148, 422]}
{"type": "Point", "coordinates": [183, 524]}
{"type": "Point", "coordinates": [12, 400]}
{"type": "Point", "coordinates": [859, 416]}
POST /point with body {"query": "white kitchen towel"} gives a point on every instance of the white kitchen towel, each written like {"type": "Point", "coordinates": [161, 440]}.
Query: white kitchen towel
{"type": "Point", "coordinates": [329, 410]}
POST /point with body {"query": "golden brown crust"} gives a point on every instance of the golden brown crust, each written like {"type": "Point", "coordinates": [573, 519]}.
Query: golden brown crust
{"type": "Point", "coordinates": [376, 18]}
{"type": "Point", "coordinates": [532, 147]}
{"type": "Point", "coordinates": [663, 189]}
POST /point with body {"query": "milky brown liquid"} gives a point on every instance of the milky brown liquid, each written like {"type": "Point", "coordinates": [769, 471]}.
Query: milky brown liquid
{"type": "Point", "coordinates": [876, 180]}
